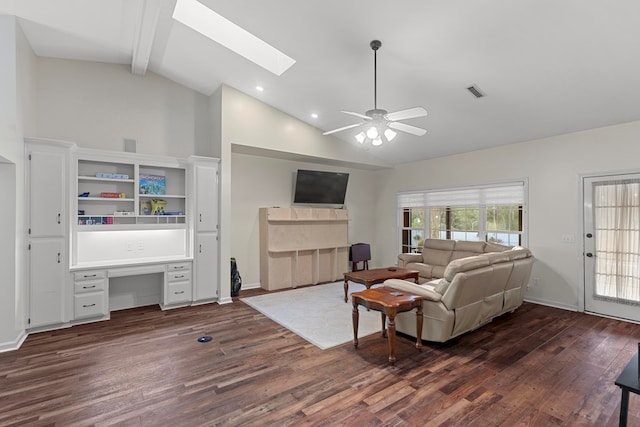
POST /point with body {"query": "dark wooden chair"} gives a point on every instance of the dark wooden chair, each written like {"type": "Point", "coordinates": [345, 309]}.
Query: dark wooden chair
{"type": "Point", "coordinates": [359, 252]}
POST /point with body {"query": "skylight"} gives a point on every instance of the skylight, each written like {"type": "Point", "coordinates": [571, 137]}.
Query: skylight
{"type": "Point", "coordinates": [219, 29]}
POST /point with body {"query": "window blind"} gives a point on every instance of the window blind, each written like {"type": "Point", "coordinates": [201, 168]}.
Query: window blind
{"type": "Point", "coordinates": [497, 194]}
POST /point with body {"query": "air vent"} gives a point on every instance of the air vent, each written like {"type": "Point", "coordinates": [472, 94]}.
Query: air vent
{"type": "Point", "coordinates": [475, 91]}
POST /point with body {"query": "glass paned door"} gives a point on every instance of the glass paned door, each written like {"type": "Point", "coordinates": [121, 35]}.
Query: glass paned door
{"type": "Point", "coordinates": [612, 245]}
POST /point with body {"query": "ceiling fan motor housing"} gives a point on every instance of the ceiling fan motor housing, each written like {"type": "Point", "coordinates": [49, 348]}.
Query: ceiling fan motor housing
{"type": "Point", "coordinates": [376, 113]}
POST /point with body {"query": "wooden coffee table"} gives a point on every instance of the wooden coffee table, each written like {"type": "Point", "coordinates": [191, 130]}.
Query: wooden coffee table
{"type": "Point", "coordinates": [388, 302]}
{"type": "Point", "coordinates": [377, 275]}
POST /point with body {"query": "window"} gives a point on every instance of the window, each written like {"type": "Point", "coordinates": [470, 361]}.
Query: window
{"type": "Point", "coordinates": [493, 213]}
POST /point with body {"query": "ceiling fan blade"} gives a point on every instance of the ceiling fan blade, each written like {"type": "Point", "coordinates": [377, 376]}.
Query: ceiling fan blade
{"type": "Point", "coordinates": [409, 113]}
{"type": "Point", "coordinates": [362, 116]}
{"type": "Point", "coordinates": [329, 132]}
{"type": "Point", "coordinates": [407, 128]}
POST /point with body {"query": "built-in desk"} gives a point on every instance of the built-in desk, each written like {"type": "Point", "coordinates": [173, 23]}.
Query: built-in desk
{"type": "Point", "coordinates": [100, 288]}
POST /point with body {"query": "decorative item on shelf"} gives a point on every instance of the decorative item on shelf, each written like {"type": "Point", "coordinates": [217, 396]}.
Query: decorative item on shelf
{"type": "Point", "coordinates": [85, 194]}
{"type": "Point", "coordinates": [153, 184]}
{"type": "Point", "coordinates": [157, 206]}
{"type": "Point", "coordinates": [80, 211]}
{"type": "Point", "coordinates": [176, 213]}
{"type": "Point", "coordinates": [145, 207]}
{"type": "Point", "coordinates": [123, 213]}
{"type": "Point", "coordinates": [110, 195]}
{"type": "Point", "coordinates": [110, 175]}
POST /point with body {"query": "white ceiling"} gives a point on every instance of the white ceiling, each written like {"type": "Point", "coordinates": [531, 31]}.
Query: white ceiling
{"type": "Point", "coordinates": [548, 67]}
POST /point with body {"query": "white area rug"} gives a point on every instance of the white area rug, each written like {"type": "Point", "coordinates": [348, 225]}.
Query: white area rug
{"type": "Point", "coordinates": [317, 313]}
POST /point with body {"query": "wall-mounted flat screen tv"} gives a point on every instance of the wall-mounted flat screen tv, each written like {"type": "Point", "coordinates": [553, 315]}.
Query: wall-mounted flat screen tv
{"type": "Point", "coordinates": [320, 187]}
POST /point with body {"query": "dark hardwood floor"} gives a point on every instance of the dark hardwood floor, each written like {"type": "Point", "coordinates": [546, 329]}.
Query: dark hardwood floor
{"type": "Point", "coordinates": [539, 366]}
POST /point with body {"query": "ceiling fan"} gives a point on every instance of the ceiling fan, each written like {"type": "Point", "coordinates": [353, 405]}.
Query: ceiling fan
{"type": "Point", "coordinates": [382, 123]}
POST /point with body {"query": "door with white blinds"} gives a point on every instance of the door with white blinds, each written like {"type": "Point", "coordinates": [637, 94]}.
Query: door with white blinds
{"type": "Point", "coordinates": [612, 245]}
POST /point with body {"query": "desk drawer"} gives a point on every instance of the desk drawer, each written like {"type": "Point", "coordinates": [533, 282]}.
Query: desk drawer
{"type": "Point", "coordinates": [178, 292]}
{"type": "Point", "coordinates": [179, 276]}
{"type": "Point", "coordinates": [89, 286]}
{"type": "Point", "coordinates": [180, 266]}
{"type": "Point", "coordinates": [90, 305]}
{"type": "Point", "coordinates": [89, 275]}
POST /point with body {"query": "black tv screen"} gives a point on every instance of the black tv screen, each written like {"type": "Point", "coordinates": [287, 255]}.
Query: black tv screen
{"type": "Point", "coordinates": [319, 187]}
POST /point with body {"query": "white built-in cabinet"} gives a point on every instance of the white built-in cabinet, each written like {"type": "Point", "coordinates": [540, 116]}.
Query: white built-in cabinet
{"type": "Point", "coordinates": [91, 219]}
{"type": "Point", "coordinates": [206, 184]}
{"type": "Point", "coordinates": [47, 182]}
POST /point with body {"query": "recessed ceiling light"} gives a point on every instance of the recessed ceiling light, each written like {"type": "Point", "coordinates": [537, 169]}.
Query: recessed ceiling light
{"type": "Point", "coordinates": [219, 29]}
{"type": "Point", "coordinates": [314, 115]}
{"type": "Point", "coordinates": [259, 88]}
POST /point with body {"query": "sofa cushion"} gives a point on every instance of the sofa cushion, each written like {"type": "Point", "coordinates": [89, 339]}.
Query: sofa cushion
{"type": "Point", "coordinates": [466, 249]}
{"type": "Point", "coordinates": [495, 247]}
{"type": "Point", "coordinates": [465, 264]}
{"type": "Point", "coordinates": [424, 270]}
{"type": "Point", "coordinates": [470, 246]}
{"type": "Point", "coordinates": [423, 290]}
{"type": "Point", "coordinates": [519, 252]}
{"type": "Point", "coordinates": [437, 252]}
{"type": "Point", "coordinates": [497, 257]}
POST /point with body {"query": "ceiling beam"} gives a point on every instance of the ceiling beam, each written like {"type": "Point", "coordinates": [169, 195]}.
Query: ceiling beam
{"type": "Point", "coordinates": [145, 32]}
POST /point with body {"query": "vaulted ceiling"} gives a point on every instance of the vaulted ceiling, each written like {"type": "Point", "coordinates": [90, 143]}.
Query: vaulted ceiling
{"type": "Point", "coordinates": [547, 67]}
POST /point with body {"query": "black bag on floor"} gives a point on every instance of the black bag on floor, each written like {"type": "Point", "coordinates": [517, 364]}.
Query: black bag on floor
{"type": "Point", "coordinates": [236, 280]}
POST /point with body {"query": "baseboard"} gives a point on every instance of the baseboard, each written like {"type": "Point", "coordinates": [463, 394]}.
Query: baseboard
{"type": "Point", "coordinates": [554, 304]}
{"type": "Point", "coordinates": [15, 344]}
{"type": "Point", "coordinates": [251, 286]}
{"type": "Point", "coordinates": [226, 300]}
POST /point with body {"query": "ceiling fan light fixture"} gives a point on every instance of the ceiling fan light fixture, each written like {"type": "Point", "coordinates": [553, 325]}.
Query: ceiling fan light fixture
{"type": "Point", "coordinates": [372, 132]}
{"type": "Point", "coordinates": [361, 137]}
{"type": "Point", "coordinates": [389, 134]}
{"type": "Point", "coordinates": [376, 142]}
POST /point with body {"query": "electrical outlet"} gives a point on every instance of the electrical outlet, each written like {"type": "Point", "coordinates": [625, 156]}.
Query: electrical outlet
{"type": "Point", "coordinates": [129, 246]}
{"type": "Point", "coordinates": [535, 282]}
{"type": "Point", "coordinates": [568, 238]}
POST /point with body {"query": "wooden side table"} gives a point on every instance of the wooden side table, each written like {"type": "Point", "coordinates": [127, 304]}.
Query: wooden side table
{"type": "Point", "coordinates": [377, 275]}
{"type": "Point", "coordinates": [388, 302]}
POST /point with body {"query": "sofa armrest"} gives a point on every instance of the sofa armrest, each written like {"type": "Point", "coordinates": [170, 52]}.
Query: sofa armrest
{"type": "Point", "coordinates": [426, 291]}
{"type": "Point", "coordinates": [404, 259]}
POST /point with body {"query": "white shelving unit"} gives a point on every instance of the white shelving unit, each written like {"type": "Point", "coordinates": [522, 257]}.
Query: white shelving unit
{"type": "Point", "coordinates": [120, 201]}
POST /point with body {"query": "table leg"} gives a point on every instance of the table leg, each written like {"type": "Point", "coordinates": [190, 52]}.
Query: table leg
{"type": "Point", "coordinates": [624, 408]}
{"type": "Point", "coordinates": [419, 326]}
{"type": "Point", "coordinates": [355, 316]}
{"type": "Point", "coordinates": [391, 336]}
{"type": "Point", "coordinates": [384, 324]}
{"type": "Point", "coordinates": [346, 289]}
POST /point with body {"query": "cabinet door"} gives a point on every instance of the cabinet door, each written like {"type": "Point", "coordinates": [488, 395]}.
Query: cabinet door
{"type": "Point", "coordinates": [206, 266]}
{"type": "Point", "coordinates": [206, 197]}
{"type": "Point", "coordinates": [46, 282]}
{"type": "Point", "coordinates": [46, 193]}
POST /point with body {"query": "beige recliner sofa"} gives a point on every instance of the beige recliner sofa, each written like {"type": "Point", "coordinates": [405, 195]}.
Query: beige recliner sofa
{"type": "Point", "coordinates": [478, 281]}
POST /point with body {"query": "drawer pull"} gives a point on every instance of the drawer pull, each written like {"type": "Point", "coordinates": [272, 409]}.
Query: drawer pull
{"type": "Point", "coordinates": [88, 305]}
{"type": "Point", "coordinates": [89, 287]}
{"type": "Point", "coordinates": [86, 276]}
{"type": "Point", "coordinates": [180, 276]}
{"type": "Point", "coordinates": [178, 267]}
{"type": "Point", "coordinates": [179, 292]}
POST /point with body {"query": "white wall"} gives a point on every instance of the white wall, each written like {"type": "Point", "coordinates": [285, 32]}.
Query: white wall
{"type": "Point", "coordinates": [97, 105]}
{"type": "Point", "coordinates": [16, 83]}
{"type": "Point", "coordinates": [260, 182]}
{"type": "Point", "coordinates": [553, 167]}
